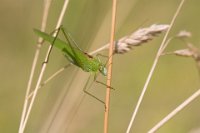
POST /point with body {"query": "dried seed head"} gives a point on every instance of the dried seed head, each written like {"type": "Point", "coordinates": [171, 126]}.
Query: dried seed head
{"type": "Point", "coordinates": [191, 51]}
{"type": "Point", "coordinates": [184, 34]}
{"type": "Point", "coordinates": [139, 37]}
{"type": "Point", "coordinates": [184, 52]}
{"type": "Point", "coordinates": [195, 52]}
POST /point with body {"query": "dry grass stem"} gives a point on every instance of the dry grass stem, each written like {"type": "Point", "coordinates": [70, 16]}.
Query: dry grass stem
{"type": "Point", "coordinates": [160, 50]}
{"type": "Point", "coordinates": [50, 78]}
{"type": "Point", "coordinates": [183, 52]}
{"type": "Point", "coordinates": [175, 111]}
{"type": "Point", "coordinates": [193, 52]}
{"type": "Point", "coordinates": [42, 71]}
{"type": "Point", "coordinates": [37, 52]}
{"type": "Point", "coordinates": [110, 60]}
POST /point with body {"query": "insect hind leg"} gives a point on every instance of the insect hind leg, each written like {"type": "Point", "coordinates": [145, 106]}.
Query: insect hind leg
{"type": "Point", "coordinates": [69, 37]}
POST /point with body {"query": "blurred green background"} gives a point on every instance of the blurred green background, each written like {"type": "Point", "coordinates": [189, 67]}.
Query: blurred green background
{"type": "Point", "coordinates": [57, 107]}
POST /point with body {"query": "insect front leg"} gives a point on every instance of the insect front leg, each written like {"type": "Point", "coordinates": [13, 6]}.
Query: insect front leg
{"type": "Point", "coordinates": [90, 94]}
{"type": "Point", "coordinates": [105, 56]}
{"type": "Point", "coordinates": [50, 49]}
{"type": "Point", "coordinates": [104, 84]}
{"type": "Point", "coordinates": [95, 79]}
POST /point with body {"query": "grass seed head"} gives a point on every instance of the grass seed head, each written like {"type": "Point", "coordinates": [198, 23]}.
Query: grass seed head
{"type": "Point", "coordinates": [139, 37]}
{"type": "Point", "coordinates": [191, 51]}
{"type": "Point", "coordinates": [184, 52]}
{"type": "Point", "coordinates": [184, 34]}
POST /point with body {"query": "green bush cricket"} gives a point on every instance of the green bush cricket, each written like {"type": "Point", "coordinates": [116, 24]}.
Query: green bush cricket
{"type": "Point", "coordinates": [76, 56]}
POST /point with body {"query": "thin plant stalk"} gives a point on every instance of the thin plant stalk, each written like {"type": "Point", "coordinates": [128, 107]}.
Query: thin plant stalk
{"type": "Point", "coordinates": [182, 105]}
{"type": "Point", "coordinates": [99, 49]}
{"type": "Point", "coordinates": [154, 66]}
{"type": "Point", "coordinates": [175, 111]}
{"type": "Point", "coordinates": [110, 60]}
{"type": "Point", "coordinates": [43, 68]}
{"type": "Point", "coordinates": [49, 79]}
{"type": "Point", "coordinates": [47, 4]}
